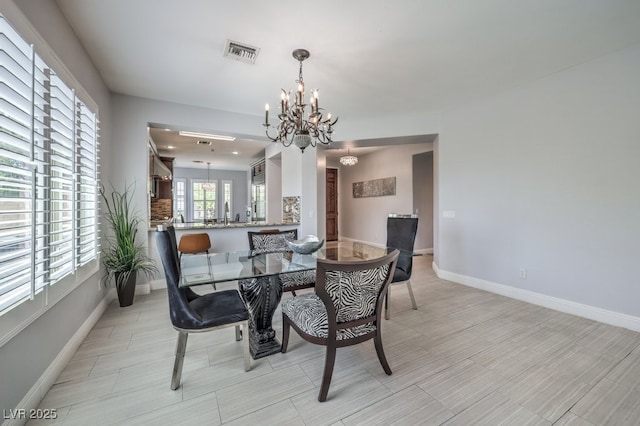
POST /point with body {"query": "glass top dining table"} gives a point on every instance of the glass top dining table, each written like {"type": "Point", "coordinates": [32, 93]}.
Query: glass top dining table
{"type": "Point", "coordinates": [258, 276]}
{"type": "Point", "coordinates": [202, 269]}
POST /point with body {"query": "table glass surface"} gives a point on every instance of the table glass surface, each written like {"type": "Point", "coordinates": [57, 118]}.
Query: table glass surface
{"type": "Point", "coordinates": [201, 269]}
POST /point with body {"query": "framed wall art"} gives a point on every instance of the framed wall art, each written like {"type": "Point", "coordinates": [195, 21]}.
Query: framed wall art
{"type": "Point", "coordinates": [375, 188]}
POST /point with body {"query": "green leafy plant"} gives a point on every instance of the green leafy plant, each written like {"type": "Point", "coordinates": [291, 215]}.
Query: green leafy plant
{"type": "Point", "coordinates": [122, 256]}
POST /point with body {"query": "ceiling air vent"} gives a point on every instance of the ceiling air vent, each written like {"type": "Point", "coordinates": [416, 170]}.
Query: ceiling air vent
{"type": "Point", "coordinates": [241, 52]}
{"type": "Point", "coordinates": [203, 142]}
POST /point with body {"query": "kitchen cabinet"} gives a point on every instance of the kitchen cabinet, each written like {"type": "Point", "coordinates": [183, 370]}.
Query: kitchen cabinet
{"type": "Point", "coordinates": [258, 172]}
{"type": "Point", "coordinates": [161, 202]}
{"type": "Point", "coordinates": [164, 184]}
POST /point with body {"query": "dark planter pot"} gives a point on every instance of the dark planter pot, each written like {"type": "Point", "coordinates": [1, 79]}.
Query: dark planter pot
{"type": "Point", "coordinates": [126, 292]}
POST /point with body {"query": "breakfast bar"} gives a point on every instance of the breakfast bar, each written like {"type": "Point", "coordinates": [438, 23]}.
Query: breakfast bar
{"type": "Point", "coordinates": [224, 238]}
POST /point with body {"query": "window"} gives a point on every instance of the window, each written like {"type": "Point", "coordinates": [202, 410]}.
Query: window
{"type": "Point", "coordinates": [227, 197]}
{"type": "Point", "coordinates": [179, 198]}
{"type": "Point", "coordinates": [203, 196]}
{"type": "Point", "coordinates": [48, 175]}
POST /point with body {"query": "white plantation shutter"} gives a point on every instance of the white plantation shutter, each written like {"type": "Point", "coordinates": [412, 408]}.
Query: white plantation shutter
{"type": "Point", "coordinates": [87, 184]}
{"type": "Point", "coordinates": [61, 178]}
{"type": "Point", "coordinates": [20, 171]}
{"type": "Point", "coordinates": [48, 174]}
{"type": "Point", "coordinates": [40, 155]}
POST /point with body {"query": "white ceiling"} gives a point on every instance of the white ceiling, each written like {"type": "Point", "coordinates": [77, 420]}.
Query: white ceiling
{"type": "Point", "coordinates": [369, 58]}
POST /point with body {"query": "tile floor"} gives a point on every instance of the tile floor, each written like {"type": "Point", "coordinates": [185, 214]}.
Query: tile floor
{"type": "Point", "coordinates": [464, 357]}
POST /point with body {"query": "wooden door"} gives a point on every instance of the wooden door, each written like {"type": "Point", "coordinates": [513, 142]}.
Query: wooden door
{"type": "Point", "coordinates": [332, 204]}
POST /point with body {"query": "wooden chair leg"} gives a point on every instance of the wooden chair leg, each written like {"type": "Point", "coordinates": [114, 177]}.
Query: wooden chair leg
{"type": "Point", "coordinates": [181, 348]}
{"type": "Point", "coordinates": [245, 346]}
{"type": "Point", "coordinates": [329, 362]}
{"type": "Point", "coordinates": [380, 351]}
{"type": "Point", "coordinates": [413, 299]}
{"type": "Point", "coordinates": [285, 334]}
{"type": "Point", "coordinates": [387, 308]}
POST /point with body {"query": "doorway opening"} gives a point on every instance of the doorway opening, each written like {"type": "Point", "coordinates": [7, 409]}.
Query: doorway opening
{"type": "Point", "coordinates": [332, 204]}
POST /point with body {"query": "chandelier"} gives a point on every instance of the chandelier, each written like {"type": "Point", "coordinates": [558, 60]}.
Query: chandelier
{"type": "Point", "coordinates": [296, 125]}
{"type": "Point", "coordinates": [348, 160]}
{"type": "Point", "coordinates": [208, 186]}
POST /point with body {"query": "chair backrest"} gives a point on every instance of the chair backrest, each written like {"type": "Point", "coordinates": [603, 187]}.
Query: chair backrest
{"type": "Point", "coordinates": [174, 242]}
{"type": "Point", "coordinates": [186, 291]}
{"type": "Point", "coordinates": [194, 243]}
{"type": "Point", "coordinates": [182, 316]}
{"type": "Point", "coordinates": [268, 240]}
{"type": "Point", "coordinates": [353, 291]}
{"type": "Point", "coordinates": [401, 234]}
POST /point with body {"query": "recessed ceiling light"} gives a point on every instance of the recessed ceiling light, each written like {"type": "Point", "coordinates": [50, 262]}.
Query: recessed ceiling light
{"type": "Point", "coordinates": [235, 152]}
{"type": "Point", "coordinates": [206, 136]}
{"type": "Point", "coordinates": [171, 147]}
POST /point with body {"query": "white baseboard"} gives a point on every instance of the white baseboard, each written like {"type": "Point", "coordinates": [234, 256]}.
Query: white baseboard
{"type": "Point", "coordinates": [424, 251]}
{"type": "Point", "coordinates": [158, 284]}
{"type": "Point", "coordinates": [420, 251]}
{"type": "Point", "coordinates": [562, 305]}
{"type": "Point", "coordinates": [32, 399]}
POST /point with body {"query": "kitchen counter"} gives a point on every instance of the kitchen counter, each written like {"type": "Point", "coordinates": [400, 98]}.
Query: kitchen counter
{"type": "Point", "coordinates": [224, 238]}
{"type": "Point", "coordinates": [199, 225]}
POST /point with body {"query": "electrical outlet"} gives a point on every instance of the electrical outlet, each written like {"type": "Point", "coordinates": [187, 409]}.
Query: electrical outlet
{"type": "Point", "coordinates": [523, 273]}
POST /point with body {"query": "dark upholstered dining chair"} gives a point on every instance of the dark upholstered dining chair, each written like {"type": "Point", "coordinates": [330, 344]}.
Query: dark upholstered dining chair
{"type": "Point", "coordinates": [193, 313]}
{"type": "Point", "coordinates": [346, 309]}
{"type": "Point", "coordinates": [173, 247]}
{"type": "Point", "coordinates": [401, 234]}
{"type": "Point", "coordinates": [270, 240]}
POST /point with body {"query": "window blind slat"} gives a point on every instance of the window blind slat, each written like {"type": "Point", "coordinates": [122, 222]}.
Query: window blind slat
{"type": "Point", "coordinates": [15, 86]}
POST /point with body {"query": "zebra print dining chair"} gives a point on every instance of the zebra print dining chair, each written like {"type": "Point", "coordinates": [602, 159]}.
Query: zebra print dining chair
{"type": "Point", "coordinates": [271, 240]}
{"type": "Point", "coordinates": [346, 309]}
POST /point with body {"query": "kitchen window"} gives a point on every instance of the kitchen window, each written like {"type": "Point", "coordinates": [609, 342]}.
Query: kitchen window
{"type": "Point", "coordinates": [203, 196]}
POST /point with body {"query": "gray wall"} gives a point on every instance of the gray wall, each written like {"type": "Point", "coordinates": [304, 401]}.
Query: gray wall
{"type": "Point", "coordinates": [545, 177]}
{"type": "Point", "coordinates": [423, 198]}
{"type": "Point", "coordinates": [24, 358]}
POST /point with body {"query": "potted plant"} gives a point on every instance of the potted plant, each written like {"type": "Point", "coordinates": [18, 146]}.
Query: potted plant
{"type": "Point", "coordinates": [123, 258]}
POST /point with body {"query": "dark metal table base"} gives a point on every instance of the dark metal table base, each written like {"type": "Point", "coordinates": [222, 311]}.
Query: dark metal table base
{"type": "Point", "coordinates": [262, 296]}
